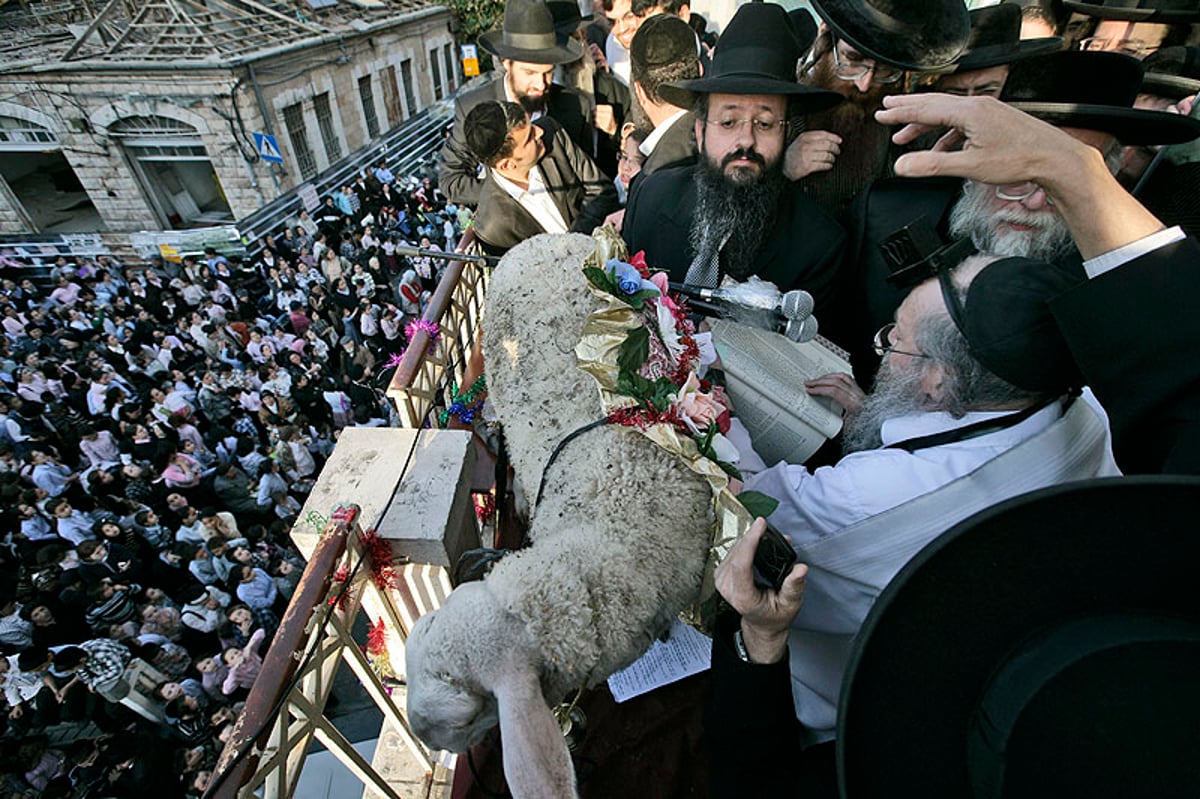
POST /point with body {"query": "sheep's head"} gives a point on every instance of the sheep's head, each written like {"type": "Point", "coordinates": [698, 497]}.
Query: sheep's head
{"type": "Point", "coordinates": [447, 705]}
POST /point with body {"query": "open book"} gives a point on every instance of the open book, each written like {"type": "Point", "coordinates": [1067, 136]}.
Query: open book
{"type": "Point", "coordinates": [764, 376]}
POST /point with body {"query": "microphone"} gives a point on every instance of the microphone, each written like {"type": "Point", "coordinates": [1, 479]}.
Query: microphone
{"type": "Point", "coordinates": [757, 303]}
{"type": "Point", "coordinates": [416, 252]}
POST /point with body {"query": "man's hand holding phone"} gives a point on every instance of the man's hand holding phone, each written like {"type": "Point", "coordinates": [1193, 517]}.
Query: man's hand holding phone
{"type": "Point", "coordinates": [766, 613]}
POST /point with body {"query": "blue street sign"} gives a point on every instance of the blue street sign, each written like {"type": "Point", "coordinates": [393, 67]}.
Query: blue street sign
{"type": "Point", "coordinates": [268, 148]}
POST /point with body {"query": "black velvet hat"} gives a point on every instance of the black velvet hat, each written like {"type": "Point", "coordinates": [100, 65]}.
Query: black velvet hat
{"type": "Point", "coordinates": [756, 54]}
{"type": "Point", "coordinates": [996, 39]}
{"type": "Point", "coordinates": [664, 39]}
{"type": "Point", "coordinates": [1169, 11]}
{"type": "Point", "coordinates": [911, 34]}
{"type": "Point", "coordinates": [1007, 323]}
{"type": "Point", "coordinates": [1046, 647]}
{"type": "Point", "coordinates": [805, 28]}
{"type": "Point", "coordinates": [529, 35]}
{"type": "Point", "coordinates": [1095, 91]}
{"type": "Point", "coordinates": [1172, 72]}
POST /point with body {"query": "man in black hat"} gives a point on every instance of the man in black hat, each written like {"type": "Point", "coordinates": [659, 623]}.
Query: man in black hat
{"type": "Point", "coordinates": [664, 50]}
{"type": "Point", "coordinates": [537, 180]}
{"type": "Point", "coordinates": [732, 213]}
{"type": "Point", "coordinates": [973, 383]}
{"type": "Point", "coordinates": [1087, 93]}
{"type": "Point", "coordinates": [1131, 324]}
{"type": "Point", "coordinates": [995, 44]}
{"type": "Point", "coordinates": [862, 51]}
{"type": "Point", "coordinates": [528, 47]}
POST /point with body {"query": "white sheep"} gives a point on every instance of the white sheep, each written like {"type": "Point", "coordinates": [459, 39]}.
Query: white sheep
{"type": "Point", "coordinates": [619, 540]}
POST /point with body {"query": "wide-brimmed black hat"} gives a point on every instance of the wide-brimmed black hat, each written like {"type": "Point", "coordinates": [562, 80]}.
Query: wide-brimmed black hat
{"type": "Point", "coordinates": [1169, 11]}
{"type": "Point", "coordinates": [567, 16]}
{"type": "Point", "coordinates": [1095, 91]}
{"type": "Point", "coordinates": [1172, 72]}
{"type": "Point", "coordinates": [911, 34]}
{"type": "Point", "coordinates": [805, 28]}
{"type": "Point", "coordinates": [996, 39]}
{"type": "Point", "coordinates": [1046, 647]}
{"type": "Point", "coordinates": [756, 54]}
{"type": "Point", "coordinates": [529, 35]}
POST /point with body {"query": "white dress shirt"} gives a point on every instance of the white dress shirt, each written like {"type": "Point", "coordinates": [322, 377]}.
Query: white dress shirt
{"type": "Point", "coordinates": [536, 200]}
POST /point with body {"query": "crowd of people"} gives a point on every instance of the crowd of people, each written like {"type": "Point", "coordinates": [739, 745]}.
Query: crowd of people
{"type": "Point", "coordinates": [160, 429]}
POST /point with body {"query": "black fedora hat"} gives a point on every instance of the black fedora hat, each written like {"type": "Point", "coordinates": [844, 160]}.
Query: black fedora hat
{"type": "Point", "coordinates": [1093, 90]}
{"type": "Point", "coordinates": [911, 34]}
{"type": "Point", "coordinates": [996, 39]}
{"type": "Point", "coordinates": [1172, 72]}
{"type": "Point", "coordinates": [756, 54]}
{"type": "Point", "coordinates": [1139, 10]}
{"type": "Point", "coordinates": [529, 35]}
{"type": "Point", "coordinates": [805, 28]}
{"type": "Point", "coordinates": [567, 16]}
{"type": "Point", "coordinates": [1048, 646]}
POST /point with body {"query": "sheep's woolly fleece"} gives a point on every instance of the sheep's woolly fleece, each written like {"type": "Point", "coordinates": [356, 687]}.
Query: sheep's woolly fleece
{"type": "Point", "coordinates": [621, 534]}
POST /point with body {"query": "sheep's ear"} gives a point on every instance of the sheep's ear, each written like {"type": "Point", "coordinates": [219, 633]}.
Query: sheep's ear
{"type": "Point", "coordinates": [537, 763]}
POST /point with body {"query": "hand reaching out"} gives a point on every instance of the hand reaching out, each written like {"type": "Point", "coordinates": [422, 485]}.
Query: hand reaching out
{"type": "Point", "coordinates": [812, 151]}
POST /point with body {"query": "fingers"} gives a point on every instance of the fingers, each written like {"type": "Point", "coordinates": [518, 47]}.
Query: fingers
{"type": "Point", "coordinates": [792, 591]}
{"type": "Point", "coordinates": [734, 576]}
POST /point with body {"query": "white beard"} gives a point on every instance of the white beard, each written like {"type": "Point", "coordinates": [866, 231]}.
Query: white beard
{"type": "Point", "coordinates": [973, 218]}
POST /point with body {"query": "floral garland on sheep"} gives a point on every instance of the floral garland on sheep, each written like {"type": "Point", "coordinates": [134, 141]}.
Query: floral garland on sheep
{"type": "Point", "coordinates": [649, 363]}
{"type": "Point", "coordinates": [662, 361]}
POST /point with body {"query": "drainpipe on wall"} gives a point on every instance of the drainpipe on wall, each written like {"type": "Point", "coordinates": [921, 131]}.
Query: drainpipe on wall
{"type": "Point", "coordinates": [262, 109]}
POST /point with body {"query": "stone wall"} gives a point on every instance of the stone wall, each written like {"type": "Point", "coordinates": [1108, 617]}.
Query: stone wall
{"type": "Point", "coordinates": [79, 106]}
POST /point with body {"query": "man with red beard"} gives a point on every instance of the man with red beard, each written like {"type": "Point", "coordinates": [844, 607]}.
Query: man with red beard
{"type": "Point", "coordinates": [732, 213]}
{"type": "Point", "coordinates": [1088, 94]}
{"type": "Point", "coordinates": [862, 52]}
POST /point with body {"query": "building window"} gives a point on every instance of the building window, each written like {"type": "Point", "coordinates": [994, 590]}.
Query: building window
{"type": "Point", "coordinates": [333, 148]}
{"type": "Point", "coordinates": [293, 120]}
{"type": "Point", "coordinates": [451, 67]}
{"type": "Point", "coordinates": [406, 77]}
{"type": "Point", "coordinates": [391, 97]}
{"type": "Point", "coordinates": [438, 91]}
{"type": "Point", "coordinates": [367, 95]}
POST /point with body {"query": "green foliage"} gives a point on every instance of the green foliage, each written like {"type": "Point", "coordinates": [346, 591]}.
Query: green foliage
{"type": "Point", "coordinates": [758, 503]}
{"type": "Point", "coordinates": [474, 17]}
{"type": "Point", "coordinates": [634, 350]}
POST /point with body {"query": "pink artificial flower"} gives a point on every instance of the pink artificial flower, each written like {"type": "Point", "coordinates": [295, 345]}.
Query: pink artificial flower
{"type": "Point", "coordinates": [697, 407]}
{"type": "Point", "coordinates": [638, 262]}
{"type": "Point", "coordinates": [659, 279]}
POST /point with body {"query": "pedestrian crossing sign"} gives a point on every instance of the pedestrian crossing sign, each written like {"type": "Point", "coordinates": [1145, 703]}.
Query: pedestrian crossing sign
{"type": "Point", "coordinates": [268, 148]}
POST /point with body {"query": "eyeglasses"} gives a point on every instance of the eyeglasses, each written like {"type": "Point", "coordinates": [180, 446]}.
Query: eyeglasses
{"type": "Point", "coordinates": [760, 127]}
{"type": "Point", "coordinates": [1015, 192]}
{"type": "Point", "coordinates": [855, 68]}
{"type": "Point", "coordinates": [883, 343]}
{"type": "Point", "coordinates": [1134, 47]}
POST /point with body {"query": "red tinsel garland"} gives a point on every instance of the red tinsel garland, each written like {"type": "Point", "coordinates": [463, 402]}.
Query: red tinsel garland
{"type": "Point", "coordinates": [339, 596]}
{"type": "Point", "coordinates": [377, 638]}
{"type": "Point", "coordinates": [485, 506]}
{"type": "Point", "coordinates": [380, 559]}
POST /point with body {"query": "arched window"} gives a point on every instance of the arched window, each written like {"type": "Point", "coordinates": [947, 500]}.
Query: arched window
{"type": "Point", "coordinates": [17, 135]}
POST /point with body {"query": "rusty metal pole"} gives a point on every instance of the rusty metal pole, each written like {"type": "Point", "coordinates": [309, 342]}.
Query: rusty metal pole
{"type": "Point", "coordinates": [282, 659]}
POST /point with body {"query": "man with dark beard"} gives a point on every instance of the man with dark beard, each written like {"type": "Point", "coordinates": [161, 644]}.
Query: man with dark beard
{"type": "Point", "coordinates": [528, 48]}
{"type": "Point", "coordinates": [970, 407]}
{"type": "Point", "coordinates": [732, 213]}
{"type": "Point", "coordinates": [862, 51]}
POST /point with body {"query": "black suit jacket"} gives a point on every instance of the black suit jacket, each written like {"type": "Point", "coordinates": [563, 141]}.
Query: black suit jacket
{"type": "Point", "coordinates": [802, 251]}
{"type": "Point", "coordinates": [677, 147]}
{"type": "Point", "coordinates": [458, 169]}
{"type": "Point", "coordinates": [1135, 334]}
{"type": "Point", "coordinates": [583, 194]}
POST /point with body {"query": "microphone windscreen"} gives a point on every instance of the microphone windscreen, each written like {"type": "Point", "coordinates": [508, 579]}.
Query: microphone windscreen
{"type": "Point", "coordinates": [796, 305]}
{"type": "Point", "coordinates": [801, 331]}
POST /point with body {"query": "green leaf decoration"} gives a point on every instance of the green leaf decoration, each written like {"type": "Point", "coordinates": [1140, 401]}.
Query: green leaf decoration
{"type": "Point", "coordinates": [638, 298]}
{"type": "Point", "coordinates": [634, 350]}
{"type": "Point", "coordinates": [631, 384]}
{"type": "Point", "coordinates": [758, 503]}
{"type": "Point", "coordinates": [600, 279]}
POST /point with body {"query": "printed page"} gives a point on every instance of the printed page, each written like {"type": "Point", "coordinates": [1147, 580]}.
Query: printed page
{"type": "Point", "coordinates": [765, 375]}
{"type": "Point", "coordinates": [688, 651]}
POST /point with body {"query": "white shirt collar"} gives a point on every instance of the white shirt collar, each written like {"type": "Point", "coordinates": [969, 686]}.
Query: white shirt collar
{"type": "Point", "coordinates": [535, 199]}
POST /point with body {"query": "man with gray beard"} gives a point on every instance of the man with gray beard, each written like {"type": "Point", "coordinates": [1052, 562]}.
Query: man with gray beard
{"type": "Point", "coordinates": [1089, 95]}
{"type": "Point", "coordinates": [732, 213]}
{"type": "Point", "coordinates": [971, 407]}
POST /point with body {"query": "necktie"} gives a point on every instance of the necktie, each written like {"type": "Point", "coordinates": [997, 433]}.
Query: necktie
{"type": "Point", "coordinates": [705, 271]}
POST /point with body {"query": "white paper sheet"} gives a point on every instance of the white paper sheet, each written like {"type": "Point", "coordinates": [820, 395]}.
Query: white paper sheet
{"type": "Point", "coordinates": [685, 653]}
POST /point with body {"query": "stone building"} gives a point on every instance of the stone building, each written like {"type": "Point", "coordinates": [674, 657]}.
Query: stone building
{"type": "Point", "coordinates": [140, 114]}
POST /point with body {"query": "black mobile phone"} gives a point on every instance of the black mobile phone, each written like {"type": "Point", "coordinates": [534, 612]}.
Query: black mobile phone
{"type": "Point", "coordinates": [773, 560]}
